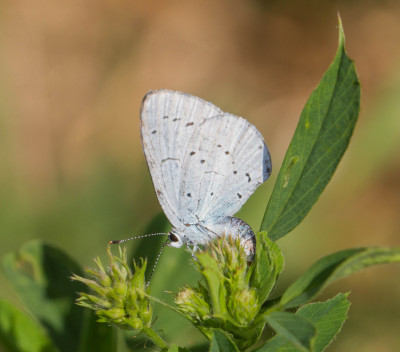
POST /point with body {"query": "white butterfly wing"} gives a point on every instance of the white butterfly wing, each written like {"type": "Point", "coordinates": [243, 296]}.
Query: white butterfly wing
{"type": "Point", "coordinates": [225, 162]}
{"type": "Point", "coordinates": [168, 121]}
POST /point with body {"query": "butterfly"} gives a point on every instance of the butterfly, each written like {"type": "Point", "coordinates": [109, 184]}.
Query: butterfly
{"type": "Point", "coordinates": [204, 164]}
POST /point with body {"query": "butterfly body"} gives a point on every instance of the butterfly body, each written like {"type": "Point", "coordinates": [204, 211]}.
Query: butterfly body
{"type": "Point", "coordinates": [204, 165]}
{"type": "Point", "coordinates": [201, 234]}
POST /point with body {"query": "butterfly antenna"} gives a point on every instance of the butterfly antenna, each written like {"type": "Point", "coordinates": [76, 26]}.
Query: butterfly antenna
{"type": "Point", "coordinates": [155, 264]}
{"type": "Point", "coordinates": [137, 237]}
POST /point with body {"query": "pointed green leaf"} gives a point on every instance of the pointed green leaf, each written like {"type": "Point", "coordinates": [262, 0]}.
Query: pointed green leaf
{"type": "Point", "coordinates": [268, 264]}
{"type": "Point", "coordinates": [210, 272]}
{"type": "Point", "coordinates": [40, 275]}
{"type": "Point", "coordinates": [20, 333]}
{"type": "Point", "coordinates": [221, 342]}
{"type": "Point", "coordinates": [328, 318]}
{"type": "Point", "coordinates": [334, 267]}
{"type": "Point", "coordinates": [295, 329]}
{"type": "Point", "coordinates": [321, 137]}
{"type": "Point", "coordinates": [277, 344]}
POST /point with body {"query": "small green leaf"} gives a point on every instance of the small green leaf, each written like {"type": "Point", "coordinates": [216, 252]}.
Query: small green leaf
{"type": "Point", "coordinates": [295, 329]}
{"type": "Point", "coordinates": [40, 275]}
{"type": "Point", "coordinates": [328, 318]}
{"type": "Point", "coordinates": [321, 137]}
{"type": "Point", "coordinates": [210, 272]}
{"type": "Point", "coordinates": [334, 267]}
{"type": "Point", "coordinates": [20, 333]}
{"type": "Point", "coordinates": [221, 342]}
{"type": "Point", "coordinates": [268, 264]}
{"type": "Point", "coordinates": [277, 344]}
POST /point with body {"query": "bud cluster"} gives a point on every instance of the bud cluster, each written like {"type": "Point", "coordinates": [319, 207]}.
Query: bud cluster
{"type": "Point", "coordinates": [118, 293]}
{"type": "Point", "coordinates": [226, 300]}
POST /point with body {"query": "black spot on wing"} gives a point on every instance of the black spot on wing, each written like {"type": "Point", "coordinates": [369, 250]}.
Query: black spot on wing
{"type": "Point", "coordinates": [154, 132]}
{"type": "Point", "coordinates": [227, 153]}
{"type": "Point", "coordinates": [165, 117]}
{"type": "Point", "coordinates": [176, 119]}
{"type": "Point", "coordinates": [190, 124]}
{"type": "Point", "coordinates": [189, 195]}
{"type": "Point", "coordinates": [239, 195]}
{"type": "Point", "coordinates": [169, 159]}
{"type": "Point", "coordinates": [234, 172]}
{"type": "Point", "coordinates": [192, 153]}
{"type": "Point", "coordinates": [202, 161]}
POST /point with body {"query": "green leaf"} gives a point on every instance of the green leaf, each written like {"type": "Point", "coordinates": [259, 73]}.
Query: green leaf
{"type": "Point", "coordinates": [268, 264]}
{"type": "Point", "coordinates": [96, 336]}
{"type": "Point", "coordinates": [40, 275]}
{"type": "Point", "coordinates": [328, 318]}
{"type": "Point", "coordinates": [321, 137]}
{"type": "Point", "coordinates": [277, 343]}
{"type": "Point", "coordinates": [334, 267]}
{"type": "Point", "coordinates": [210, 272]}
{"type": "Point", "coordinates": [20, 333]}
{"type": "Point", "coordinates": [295, 329]}
{"type": "Point", "coordinates": [221, 342]}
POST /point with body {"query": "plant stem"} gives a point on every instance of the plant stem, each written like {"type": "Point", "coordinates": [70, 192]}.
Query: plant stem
{"type": "Point", "coordinates": [150, 333]}
{"type": "Point", "coordinates": [165, 305]}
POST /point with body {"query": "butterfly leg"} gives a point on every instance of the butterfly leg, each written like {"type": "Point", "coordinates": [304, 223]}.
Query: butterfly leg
{"type": "Point", "coordinates": [194, 257]}
{"type": "Point", "coordinates": [192, 251]}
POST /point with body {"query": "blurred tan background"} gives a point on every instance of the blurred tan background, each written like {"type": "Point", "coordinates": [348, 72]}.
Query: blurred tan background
{"type": "Point", "coordinates": [72, 171]}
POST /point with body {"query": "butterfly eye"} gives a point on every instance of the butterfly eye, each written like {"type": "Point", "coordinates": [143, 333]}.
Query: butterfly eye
{"type": "Point", "coordinates": [173, 237]}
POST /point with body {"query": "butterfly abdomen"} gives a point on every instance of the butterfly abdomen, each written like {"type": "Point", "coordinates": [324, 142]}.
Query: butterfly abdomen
{"type": "Point", "coordinates": [237, 228]}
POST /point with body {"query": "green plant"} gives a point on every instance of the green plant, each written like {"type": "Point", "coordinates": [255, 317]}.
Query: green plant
{"type": "Point", "coordinates": [231, 305]}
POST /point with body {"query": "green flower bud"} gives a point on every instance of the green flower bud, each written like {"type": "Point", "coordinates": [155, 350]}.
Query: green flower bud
{"type": "Point", "coordinates": [100, 302]}
{"type": "Point", "coordinates": [193, 303]}
{"type": "Point", "coordinates": [136, 323]}
{"type": "Point", "coordinates": [115, 314]}
{"type": "Point", "coordinates": [120, 288]}
{"type": "Point", "coordinates": [146, 316]}
{"type": "Point", "coordinates": [243, 306]}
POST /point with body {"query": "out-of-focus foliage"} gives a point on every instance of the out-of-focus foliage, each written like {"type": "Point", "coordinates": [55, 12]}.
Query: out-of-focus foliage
{"type": "Point", "coordinates": [18, 332]}
{"type": "Point", "coordinates": [40, 275]}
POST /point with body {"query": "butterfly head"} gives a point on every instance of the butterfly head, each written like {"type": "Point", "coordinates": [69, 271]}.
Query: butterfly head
{"type": "Point", "coordinates": [175, 239]}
